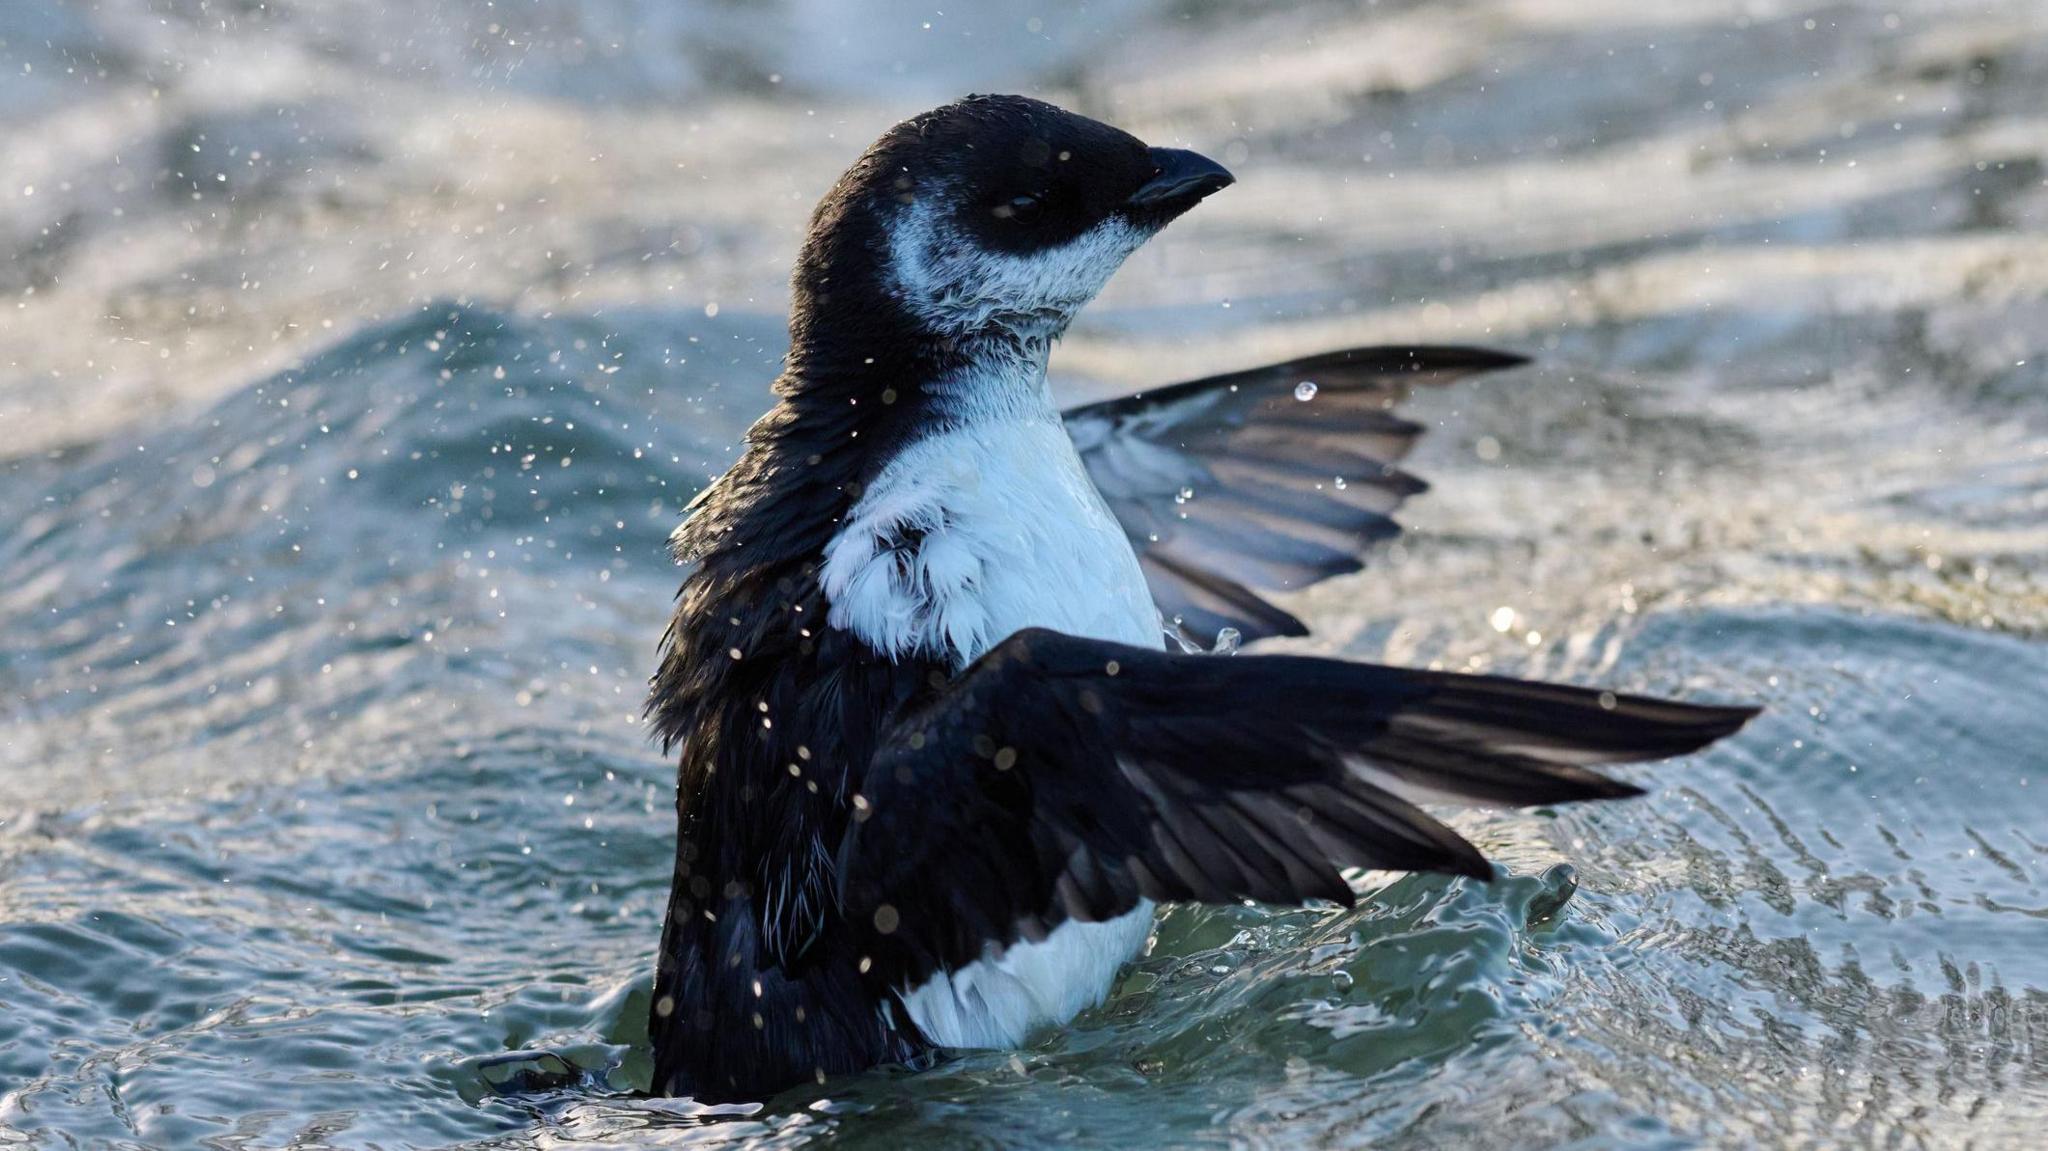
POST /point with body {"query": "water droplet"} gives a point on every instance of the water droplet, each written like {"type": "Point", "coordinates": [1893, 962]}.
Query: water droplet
{"type": "Point", "coordinates": [1559, 883]}
{"type": "Point", "coordinates": [1228, 640]}
{"type": "Point", "coordinates": [1305, 391]}
{"type": "Point", "coordinates": [1184, 495]}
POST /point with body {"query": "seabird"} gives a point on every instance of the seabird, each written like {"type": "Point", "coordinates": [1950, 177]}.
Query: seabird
{"type": "Point", "coordinates": [946, 734]}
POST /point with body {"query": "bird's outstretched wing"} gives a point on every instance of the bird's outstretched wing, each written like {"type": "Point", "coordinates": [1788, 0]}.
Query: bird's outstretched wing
{"type": "Point", "coordinates": [1062, 778]}
{"type": "Point", "coordinates": [1273, 478]}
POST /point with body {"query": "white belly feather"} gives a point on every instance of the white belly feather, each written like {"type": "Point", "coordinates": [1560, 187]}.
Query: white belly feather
{"type": "Point", "coordinates": [964, 539]}
{"type": "Point", "coordinates": [1001, 1000]}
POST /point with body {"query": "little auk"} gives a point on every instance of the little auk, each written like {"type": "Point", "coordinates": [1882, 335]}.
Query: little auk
{"type": "Point", "coordinates": [946, 735]}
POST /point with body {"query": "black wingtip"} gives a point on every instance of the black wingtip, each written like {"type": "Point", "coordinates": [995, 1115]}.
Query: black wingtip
{"type": "Point", "coordinates": [1693, 727]}
{"type": "Point", "coordinates": [1566, 724]}
{"type": "Point", "coordinates": [1462, 358]}
{"type": "Point", "coordinates": [1449, 361]}
{"type": "Point", "coordinates": [1728, 718]}
{"type": "Point", "coordinates": [1482, 359]}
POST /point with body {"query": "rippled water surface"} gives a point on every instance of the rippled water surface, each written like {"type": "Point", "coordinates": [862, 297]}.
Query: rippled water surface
{"type": "Point", "coordinates": [356, 359]}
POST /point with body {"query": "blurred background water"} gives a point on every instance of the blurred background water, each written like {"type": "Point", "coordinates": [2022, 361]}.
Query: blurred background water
{"type": "Point", "coordinates": [356, 358]}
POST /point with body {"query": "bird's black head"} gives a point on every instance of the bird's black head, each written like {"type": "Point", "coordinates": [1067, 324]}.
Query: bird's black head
{"type": "Point", "coordinates": [993, 216]}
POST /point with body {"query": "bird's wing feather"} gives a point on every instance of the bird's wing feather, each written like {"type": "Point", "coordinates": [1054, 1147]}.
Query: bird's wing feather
{"type": "Point", "coordinates": [1061, 778]}
{"type": "Point", "coordinates": [1232, 483]}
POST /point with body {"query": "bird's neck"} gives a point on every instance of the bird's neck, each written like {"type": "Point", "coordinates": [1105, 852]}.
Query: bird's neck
{"type": "Point", "coordinates": [917, 379]}
{"type": "Point", "coordinates": [997, 378]}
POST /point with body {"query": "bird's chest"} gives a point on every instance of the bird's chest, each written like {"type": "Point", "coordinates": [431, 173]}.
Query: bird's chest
{"type": "Point", "coordinates": [975, 533]}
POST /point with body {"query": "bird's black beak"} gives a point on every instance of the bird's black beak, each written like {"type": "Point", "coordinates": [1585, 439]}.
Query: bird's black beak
{"type": "Point", "coordinates": [1180, 179]}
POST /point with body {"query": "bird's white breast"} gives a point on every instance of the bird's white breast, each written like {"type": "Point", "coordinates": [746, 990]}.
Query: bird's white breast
{"type": "Point", "coordinates": [977, 532]}
{"type": "Point", "coordinates": [965, 538]}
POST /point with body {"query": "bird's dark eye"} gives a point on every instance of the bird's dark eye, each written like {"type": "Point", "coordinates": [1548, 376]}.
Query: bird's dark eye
{"type": "Point", "coordinates": [1023, 209]}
